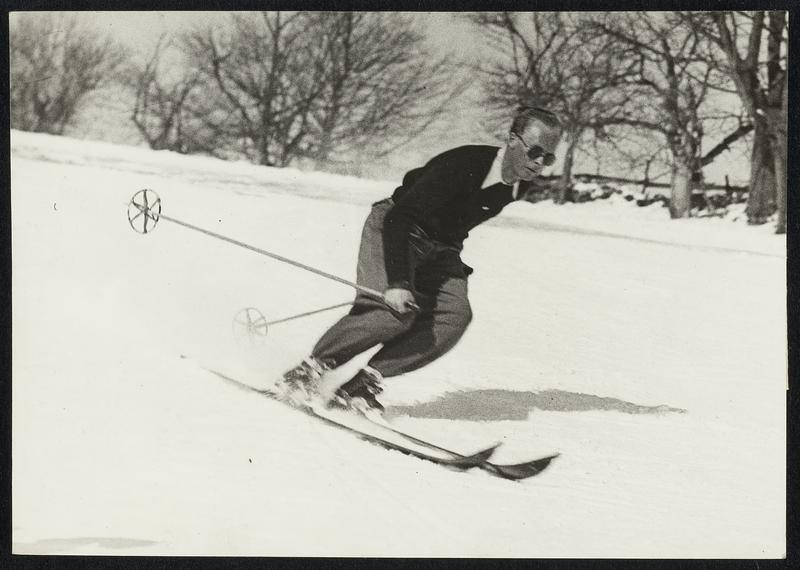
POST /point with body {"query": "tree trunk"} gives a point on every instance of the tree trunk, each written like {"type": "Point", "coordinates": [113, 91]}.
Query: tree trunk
{"type": "Point", "coordinates": [780, 187]}
{"type": "Point", "coordinates": [761, 197]}
{"type": "Point", "coordinates": [778, 122]}
{"type": "Point", "coordinates": [779, 141]}
{"type": "Point", "coordinates": [324, 148]}
{"type": "Point", "coordinates": [681, 191]}
{"type": "Point", "coordinates": [646, 180]}
{"type": "Point", "coordinates": [264, 156]}
{"type": "Point", "coordinates": [566, 172]}
{"type": "Point", "coordinates": [778, 112]}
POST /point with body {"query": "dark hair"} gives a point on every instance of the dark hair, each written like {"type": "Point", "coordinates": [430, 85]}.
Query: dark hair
{"type": "Point", "coordinates": [526, 114]}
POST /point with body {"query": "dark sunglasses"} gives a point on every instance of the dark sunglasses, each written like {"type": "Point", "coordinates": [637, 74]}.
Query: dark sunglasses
{"type": "Point", "coordinates": [536, 151]}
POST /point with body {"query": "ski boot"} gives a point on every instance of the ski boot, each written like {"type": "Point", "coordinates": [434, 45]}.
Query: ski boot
{"type": "Point", "coordinates": [301, 383]}
{"type": "Point", "coordinates": [358, 394]}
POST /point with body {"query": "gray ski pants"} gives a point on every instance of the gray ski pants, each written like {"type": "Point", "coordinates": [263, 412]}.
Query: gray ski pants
{"type": "Point", "coordinates": [410, 340]}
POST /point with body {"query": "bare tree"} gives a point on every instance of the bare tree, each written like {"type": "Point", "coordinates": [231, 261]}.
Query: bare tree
{"type": "Point", "coordinates": [677, 70]}
{"type": "Point", "coordinates": [160, 109]}
{"type": "Point", "coordinates": [763, 89]}
{"type": "Point", "coordinates": [631, 82]}
{"type": "Point", "coordinates": [554, 60]}
{"type": "Point", "coordinates": [260, 81]}
{"type": "Point", "coordinates": [381, 87]}
{"type": "Point", "coordinates": [54, 64]}
{"type": "Point", "coordinates": [325, 86]}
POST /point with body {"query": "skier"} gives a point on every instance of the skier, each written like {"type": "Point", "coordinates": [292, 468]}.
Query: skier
{"type": "Point", "coordinates": [410, 250]}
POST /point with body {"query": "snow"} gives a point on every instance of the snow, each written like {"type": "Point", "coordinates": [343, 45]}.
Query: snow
{"type": "Point", "coordinates": [650, 353]}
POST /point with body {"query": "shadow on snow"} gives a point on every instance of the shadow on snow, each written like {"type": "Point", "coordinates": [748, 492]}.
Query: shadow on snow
{"type": "Point", "coordinates": [492, 405]}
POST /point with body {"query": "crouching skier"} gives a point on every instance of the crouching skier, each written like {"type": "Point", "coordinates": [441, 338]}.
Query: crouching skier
{"type": "Point", "coordinates": [410, 250]}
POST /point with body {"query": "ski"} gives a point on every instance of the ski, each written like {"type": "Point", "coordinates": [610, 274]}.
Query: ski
{"type": "Point", "coordinates": [452, 460]}
{"type": "Point", "coordinates": [515, 472]}
{"type": "Point", "coordinates": [457, 461]}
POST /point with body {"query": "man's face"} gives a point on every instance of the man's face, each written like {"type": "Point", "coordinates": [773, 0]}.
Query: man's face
{"type": "Point", "coordinates": [527, 152]}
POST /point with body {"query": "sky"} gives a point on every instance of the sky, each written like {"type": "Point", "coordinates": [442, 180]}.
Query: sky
{"type": "Point", "coordinates": [141, 30]}
{"type": "Point", "coordinates": [447, 33]}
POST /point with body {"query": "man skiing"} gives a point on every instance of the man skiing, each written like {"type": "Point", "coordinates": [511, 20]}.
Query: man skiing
{"type": "Point", "coordinates": [410, 250]}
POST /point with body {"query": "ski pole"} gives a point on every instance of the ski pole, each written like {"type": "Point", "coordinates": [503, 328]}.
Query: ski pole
{"type": "Point", "coordinates": [307, 314]}
{"type": "Point", "coordinates": [250, 323]}
{"type": "Point", "coordinates": [149, 206]}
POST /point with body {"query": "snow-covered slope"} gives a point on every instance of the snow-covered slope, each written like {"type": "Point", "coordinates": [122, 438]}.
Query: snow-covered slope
{"type": "Point", "coordinates": [652, 359]}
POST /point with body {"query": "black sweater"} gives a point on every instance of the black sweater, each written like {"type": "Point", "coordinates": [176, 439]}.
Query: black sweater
{"type": "Point", "coordinates": [444, 198]}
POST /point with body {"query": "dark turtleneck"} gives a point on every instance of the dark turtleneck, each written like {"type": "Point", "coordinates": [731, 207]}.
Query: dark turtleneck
{"type": "Point", "coordinates": [446, 200]}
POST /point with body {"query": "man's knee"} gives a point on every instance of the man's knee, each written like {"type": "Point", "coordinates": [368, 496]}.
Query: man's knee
{"type": "Point", "coordinates": [453, 305]}
{"type": "Point", "coordinates": [451, 327]}
{"type": "Point", "coordinates": [392, 324]}
{"type": "Point", "coordinates": [460, 315]}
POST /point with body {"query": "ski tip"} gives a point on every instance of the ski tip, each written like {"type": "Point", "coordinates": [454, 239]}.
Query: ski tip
{"type": "Point", "coordinates": [473, 460]}
{"type": "Point", "coordinates": [489, 450]}
{"type": "Point", "coordinates": [545, 461]}
{"type": "Point", "coordinates": [524, 470]}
